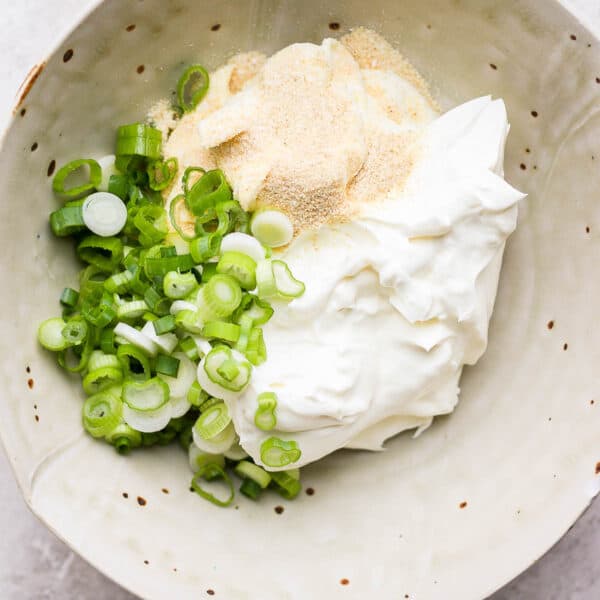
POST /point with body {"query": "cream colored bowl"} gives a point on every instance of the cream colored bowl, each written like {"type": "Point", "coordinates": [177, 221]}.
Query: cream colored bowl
{"type": "Point", "coordinates": [452, 515]}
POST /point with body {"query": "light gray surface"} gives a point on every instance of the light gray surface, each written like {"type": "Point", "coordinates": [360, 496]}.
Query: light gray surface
{"type": "Point", "coordinates": [35, 565]}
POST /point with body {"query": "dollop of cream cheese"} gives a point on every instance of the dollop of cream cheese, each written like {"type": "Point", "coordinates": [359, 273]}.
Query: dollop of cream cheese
{"type": "Point", "coordinates": [399, 295]}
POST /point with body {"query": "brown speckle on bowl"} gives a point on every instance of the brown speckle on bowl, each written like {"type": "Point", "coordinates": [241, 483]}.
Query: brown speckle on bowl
{"type": "Point", "coordinates": [141, 501]}
{"type": "Point", "coordinates": [463, 504]}
{"type": "Point", "coordinates": [598, 468]}
{"type": "Point", "coordinates": [140, 69]}
{"type": "Point", "coordinates": [279, 509]}
{"type": "Point", "coordinates": [125, 495]}
{"type": "Point", "coordinates": [146, 562]}
{"type": "Point", "coordinates": [565, 346]}
{"type": "Point", "coordinates": [35, 407]}
{"type": "Point", "coordinates": [428, 26]}
{"type": "Point", "coordinates": [535, 167]}
{"type": "Point", "coordinates": [534, 113]}
{"type": "Point", "coordinates": [30, 383]}
{"type": "Point", "coordinates": [573, 36]}
{"type": "Point", "coordinates": [34, 146]}
{"type": "Point", "coordinates": [130, 27]}
{"type": "Point", "coordinates": [549, 418]}
{"type": "Point", "coordinates": [51, 168]}
{"type": "Point", "coordinates": [37, 418]}
{"type": "Point", "coordinates": [592, 402]}
{"type": "Point", "coordinates": [493, 66]}
{"type": "Point", "coordinates": [216, 27]}
{"type": "Point", "coordinates": [210, 592]}
{"type": "Point", "coordinates": [334, 26]}
{"type": "Point", "coordinates": [23, 112]}
{"type": "Point", "coordinates": [27, 369]}
{"type": "Point", "coordinates": [528, 150]}
{"type": "Point", "coordinates": [406, 596]}
{"type": "Point", "coordinates": [550, 324]}
{"type": "Point", "coordinates": [310, 491]}
{"type": "Point", "coordinates": [344, 581]}
{"type": "Point", "coordinates": [68, 55]}
{"type": "Point", "coordinates": [523, 166]}
{"type": "Point", "coordinates": [165, 491]}
{"type": "Point", "coordinates": [597, 79]}
{"type": "Point", "coordinates": [587, 229]}
{"type": "Point", "coordinates": [174, 569]}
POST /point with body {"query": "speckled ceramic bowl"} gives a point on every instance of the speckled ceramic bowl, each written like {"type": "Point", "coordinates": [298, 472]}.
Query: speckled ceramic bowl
{"type": "Point", "coordinates": [452, 515]}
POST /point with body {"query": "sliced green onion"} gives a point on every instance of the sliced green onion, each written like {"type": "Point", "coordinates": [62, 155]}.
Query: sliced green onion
{"type": "Point", "coordinates": [109, 170]}
{"type": "Point", "coordinates": [186, 375]}
{"type": "Point", "coordinates": [50, 334]}
{"type": "Point", "coordinates": [179, 406]}
{"type": "Point", "coordinates": [209, 270]}
{"type": "Point", "coordinates": [107, 341]}
{"type": "Point", "coordinates": [264, 417]}
{"type": "Point", "coordinates": [140, 140]}
{"type": "Point", "coordinates": [135, 363]}
{"type": "Point", "coordinates": [101, 414]}
{"type": "Point", "coordinates": [119, 186]}
{"type": "Point", "coordinates": [156, 302]}
{"type": "Point", "coordinates": [209, 403]}
{"type": "Point", "coordinates": [60, 179]}
{"type": "Point", "coordinates": [211, 189]}
{"type": "Point", "coordinates": [75, 331]}
{"type": "Point", "coordinates": [196, 395]}
{"type": "Point", "coordinates": [179, 285]}
{"type": "Point", "coordinates": [192, 87]}
{"type": "Point", "coordinates": [278, 453]}
{"type": "Point", "coordinates": [228, 332]}
{"type": "Point", "coordinates": [236, 452]}
{"type": "Point", "coordinates": [104, 214]}
{"type": "Point", "coordinates": [219, 443]}
{"type": "Point", "coordinates": [191, 173]}
{"type": "Point", "coordinates": [162, 173]}
{"type": "Point", "coordinates": [205, 247]}
{"type": "Point", "coordinates": [265, 279]}
{"type": "Point", "coordinates": [174, 209]}
{"type": "Point", "coordinates": [189, 348]}
{"type": "Point", "coordinates": [190, 321]}
{"type": "Point", "coordinates": [287, 483]}
{"type": "Point", "coordinates": [219, 297]}
{"type": "Point", "coordinates": [131, 310]}
{"type": "Point", "coordinates": [272, 227]}
{"type": "Point", "coordinates": [239, 266]}
{"type": "Point", "coordinates": [166, 341]}
{"type": "Point", "coordinates": [199, 458]}
{"type": "Point", "coordinates": [101, 379]}
{"type": "Point", "coordinates": [180, 305]}
{"type": "Point", "coordinates": [244, 244]}
{"type": "Point", "coordinates": [164, 324]}
{"type": "Point", "coordinates": [124, 438]}
{"type": "Point", "coordinates": [245, 331]}
{"type": "Point", "coordinates": [256, 352]}
{"type": "Point", "coordinates": [105, 253]}
{"type": "Point", "coordinates": [99, 360]}
{"type": "Point", "coordinates": [137, 338]}
{"type": "Point", "coordinates": [151, 222]}
{"type": "Point", "coordinates": [213, 421]}
{"type": "Point", "coordinates": [250, 489]}
{"type": "Point", "coordinates": [287, 285]}
{"type": "Point", "coordinates": [217, 376]}
{"type": "Point", "coordinates": [159, 267]}
{"type": "Point", "coordinates": [260, 311]}
{"type": "Point", "coordinates": [167, 365]}
{"type": "Point", "coordinates": [146, 405]}
{"type": "Point", "coordinates": [67, 220]}
{"type": "Point", "coordinates": [69, 297]}
{"type": "Point", "coordinates": [99, 315]}
{"type": "Point", "coordinates": [119, 282]}
{"type": "Point", "coordinates": [248, 470]}
{"type": "Point", "coordinates": [211, 472]}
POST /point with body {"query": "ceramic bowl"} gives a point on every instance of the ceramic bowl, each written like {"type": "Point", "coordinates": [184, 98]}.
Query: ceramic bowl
{"type": "Point", "coordinates": [454, 514]}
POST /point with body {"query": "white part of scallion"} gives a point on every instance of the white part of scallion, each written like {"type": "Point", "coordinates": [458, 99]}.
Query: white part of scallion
{"type": "Point", "coordinates": [148, 421]}
{"type": "Point", "coordinates": [180, 305]}
{"type": "Point", "coordinates": [272, 228]}
{"type": "Point", "coordinates": [179, 406]}
{"type": "Point", "coordinates": [104, 214]}
{"type": "Point", "coordinates": [166, 342]}
{"type": "Point", "coordinates": [243, 243]}
{"type": "Point", "coordinates": [199, 458]}
{"type": "Point", "coordinates": [107, 164]}
{"type": "Point", "coordinates": [219, 443]}
{"type": "Point", "coordinates": [138, 338]}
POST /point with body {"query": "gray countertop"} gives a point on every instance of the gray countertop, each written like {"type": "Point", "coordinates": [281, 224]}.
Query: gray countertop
{"type": "Point", "coordinates": [36, 565]}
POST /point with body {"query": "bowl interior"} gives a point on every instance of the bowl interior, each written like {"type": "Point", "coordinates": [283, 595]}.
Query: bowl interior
{"type": "Point", "coordinates": [520, 454]}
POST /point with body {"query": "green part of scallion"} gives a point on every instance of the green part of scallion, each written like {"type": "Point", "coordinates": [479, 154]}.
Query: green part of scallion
{"type": "Point", "coordinates": [101, 414]}
{"type": "Point", "coordinates": [162, 173]}
{"type": "Point", "coordinates": [189, 348]}
{"type": "Point", "coordinates": [192, 87]}
{"type": "Point", "coordinates": [59, 183]}
{"type": "Point", "coordinates": [205, 247]}
{"type": "Point", "coordinates": [286, 484]}
{"type": "Point", "coordinates": [213, 421]}
{"type": "Point", "coordinates": [167, 365]}
{"type": "Point", "coordinates": [157, 303]}
{"type": "Point", "coordinates": [75, 331]}
{"type": "Point", "coordinates": [246, 469]}
{"type": "Point", "coordinates": [211, 189]}
{"type": "Point", "coordinates": [275, 452]}
{"type": "Point", "coordinates": [140, 140]}
{"type": "Point", "coordinates": [179, 285]}
{"type": "Point", "coordinates": [69, 297]}
{"type": "Point", "coordinates": [66, 221]}
{"type": "Point", "coordinates": [164, 324]}
{"type": "Point", "coordinates": [250, 489]}
{"type": "Point", "coordinates": [239, 266]}
{"type": "Point", "coordinates": [101, 379]}
{"type": "Point", "coordinates": [228, 332]}
{"type": "Point", "coordinates": [124, 438]}
{"type": "Point", "coordinates": [135, 363]}
{"type": "Point", "coordinates": [160, 266]}
{"type": "Point", "coordinates": [212, 472]}
{"type": "Point", "coordinates": [264, 417]}
{"type": "Point", "coordinates": [105, 253]}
